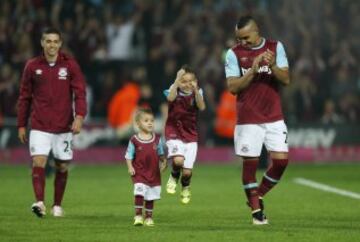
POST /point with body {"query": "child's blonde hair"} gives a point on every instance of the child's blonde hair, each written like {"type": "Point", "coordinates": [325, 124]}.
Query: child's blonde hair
{"type": "Point", "coordinates": [142, 110]}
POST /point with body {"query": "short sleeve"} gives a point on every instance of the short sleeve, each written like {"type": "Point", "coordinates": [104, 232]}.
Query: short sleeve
{"type": "Point", "coordinates": [160, 147]}
{"type": "Point", "coordinates": [281, 59]}
{"type": "Point", "coordinates": [201, 92]}
{"type": "Point", "coordinates": [231, 64]}
{"type": "Point", "coordinates": [130, 151]}
{"type": "Point", "coordinates": [167, 92]}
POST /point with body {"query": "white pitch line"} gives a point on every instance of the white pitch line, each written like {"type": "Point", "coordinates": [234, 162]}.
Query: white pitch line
{"type": "Point", "coordinates": [326, 188]}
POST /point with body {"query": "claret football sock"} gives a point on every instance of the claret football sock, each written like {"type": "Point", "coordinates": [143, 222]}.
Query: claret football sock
{"type": "Point", "coordinates": [185, 180]}
{"type": "Point", "coordinates": [149, 207]}
{"type": "Point", "coordinates": [139, 204]}
{"type": "Point", "coordinates": [272, 175]}
{"type": "Point", "coordinates": [59, 184]}
{"type": "Point", "coordinates": [250, 184]}
{"type": "Point", "coordinates": [38, 180]}
{"type": "Point", "coordinates": [175, 173]}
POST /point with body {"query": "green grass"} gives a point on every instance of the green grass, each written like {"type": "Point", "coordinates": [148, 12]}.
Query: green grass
{"type": "Point", "coordinates": [99, 207]}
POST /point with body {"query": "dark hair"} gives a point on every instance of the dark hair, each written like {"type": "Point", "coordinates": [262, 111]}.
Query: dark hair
{"type": "Point", "coordinates": [142, 110]}
{"type": "Point", "coordinates": [188, 69]}
{"type": "Point", "coordinates": [51, 30]}
{"type": "Point", "coordinates": [243, 21]}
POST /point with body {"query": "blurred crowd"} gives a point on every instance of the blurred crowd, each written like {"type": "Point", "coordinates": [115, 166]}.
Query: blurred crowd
{"type": "Point", "coordinates": [130, 51]}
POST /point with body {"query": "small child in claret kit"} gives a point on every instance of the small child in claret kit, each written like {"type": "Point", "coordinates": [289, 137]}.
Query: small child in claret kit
{"type": "Point", "coordinates": [145, 159]}
{"type": "Point", "coordinates": [185, 100]}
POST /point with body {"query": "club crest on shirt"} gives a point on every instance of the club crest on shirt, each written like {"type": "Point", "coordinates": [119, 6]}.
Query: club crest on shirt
{"type": "Point", "coordinates": [174, 149]}
{"type": "Point", "coordinates": [63, 73]}
{"type": "Point", "coordinates": [245, 148]}
{"type": "Point", "coordinates": [38, 71]}
{"type": "Point", "coordinates": [32, 149]}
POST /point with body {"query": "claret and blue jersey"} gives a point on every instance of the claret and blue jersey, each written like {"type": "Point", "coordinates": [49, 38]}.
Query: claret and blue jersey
{"type": "Point", "coordinates": [260, 101]}
{"type": "Point", "coordinates": [182, 117]}
{"type": "Point", "coordinates": [145, 156]}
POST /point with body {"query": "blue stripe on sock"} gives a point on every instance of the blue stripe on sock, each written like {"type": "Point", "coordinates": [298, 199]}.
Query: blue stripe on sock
{"type": "Point", "coordinates": [250, 185]}
{"type": "Point", "coordinates": [270, 179]}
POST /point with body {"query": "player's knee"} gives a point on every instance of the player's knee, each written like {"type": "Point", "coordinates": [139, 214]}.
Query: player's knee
{"type": "Point", "coordinates": [39, 161]}
{"type": "Point", "coordinates": [61, 166]}
{"type": "Point", "coordinates": [186, 172]}
{"type": "Point", "coordinates": [179, 160]}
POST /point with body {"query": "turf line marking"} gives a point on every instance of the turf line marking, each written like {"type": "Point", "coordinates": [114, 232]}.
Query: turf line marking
{"type": "Point", "coordinates": [326, 188]}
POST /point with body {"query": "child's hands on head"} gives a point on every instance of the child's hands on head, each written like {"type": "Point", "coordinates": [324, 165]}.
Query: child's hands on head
{"type": "Point", "coordinates": [194, 84]}
{"type": "Point", "coordinates": [179, 75]}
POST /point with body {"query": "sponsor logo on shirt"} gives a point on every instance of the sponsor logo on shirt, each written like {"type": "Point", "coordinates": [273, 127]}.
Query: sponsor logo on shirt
{"type": "Point", "coordinates": [63, 73]}
{"type": "Point", "coordinates": [262, 69]}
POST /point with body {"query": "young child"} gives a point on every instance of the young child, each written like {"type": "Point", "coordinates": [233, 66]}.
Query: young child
{"type": "Point", "coordinates": [143, 153]}
{"type": "Point", "coordinates": [185, 99]}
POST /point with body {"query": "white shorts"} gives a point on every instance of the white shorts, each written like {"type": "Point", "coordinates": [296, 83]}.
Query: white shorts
{"type": "Point", "coordinates": [249, 138]}
{"type": "Point", "coordinates": [187, 150]}
{"type": "Point", "coordinates": [149, 193]}
{"type": "Point", "coordinates": [40, 143]}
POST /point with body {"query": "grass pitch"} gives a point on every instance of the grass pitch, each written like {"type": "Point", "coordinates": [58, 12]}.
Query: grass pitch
{"type": "Point", "coordinates": [99, 207]}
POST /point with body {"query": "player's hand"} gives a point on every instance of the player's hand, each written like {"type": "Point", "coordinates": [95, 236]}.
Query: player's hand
{"type": "Point", "coordinates": [22, 135]}
{"type": "Point", "coordinates": [163, 165]}
{"type": "Point", "coordinates": [179, 75]}
{"type": "Point", "coordinates": [77, 124]}
{"type": "Point", "coordinates": [131, 171]}
{"type": "Point", "coordinates": [269, 57]}
{"type": "Point", "coordinates": [256, 62]}
{"type": "Point", "coordinates": [194, 85]}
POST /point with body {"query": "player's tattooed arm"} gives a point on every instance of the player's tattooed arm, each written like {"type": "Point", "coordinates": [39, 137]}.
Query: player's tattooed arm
{"type": "Point", "coordinates": [237, 84]}
{"type": "Point", "coordinates": [173, 89]}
